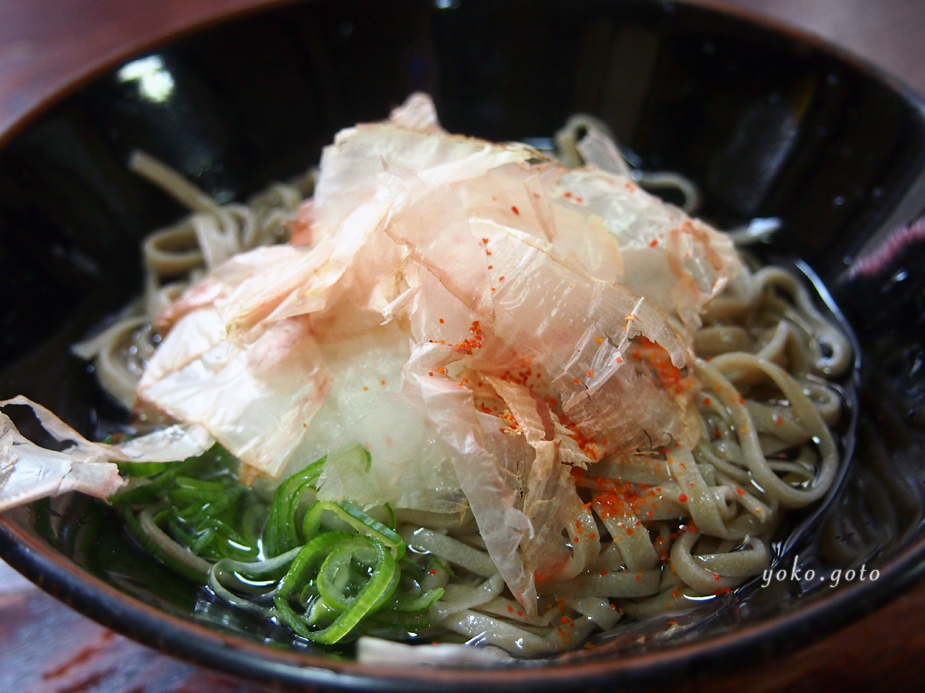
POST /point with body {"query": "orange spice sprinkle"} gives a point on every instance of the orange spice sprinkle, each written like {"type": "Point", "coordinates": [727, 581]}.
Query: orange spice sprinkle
{"type": "Point", "coordinates": [501, 278]}
{"type": "Point", "coordinates": [590, 374]}
{"type": "Point", "coordinates": [382, 382]}
{"type": "Point", "coordinates": [599, 340]}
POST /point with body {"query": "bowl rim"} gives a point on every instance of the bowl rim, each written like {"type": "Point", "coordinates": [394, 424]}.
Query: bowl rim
{"type": "Point", "coordinates": [119, 611]}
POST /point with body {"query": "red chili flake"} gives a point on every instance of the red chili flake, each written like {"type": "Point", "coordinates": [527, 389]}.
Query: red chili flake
{"type": "Point", "coordinates": [653, 243]}
{"type": "Point", "coordinates": [619, 360]}
{"type": "Point", "coordinates": [682, 497]}
{"type": "Point", "coordinates": [639, 578]}
{"type": "Point", "coordinates": [578, 198]}
{"type": "Point", "coordinates": [706, 400]}
{"type": "Point", "coordinates": [441, 321]}
{"type": "Point", "coordinates": [568, 194]}
{"type": "Point", "coordinates": [433, 571]}
{"type": "Point", "coordinates": [576, 380]}
{"type": "Point", "coordinates": [520, 613]}
{"type": "Point", "coordinates": [590, 374]}
{"type": "Point", "coordinates": [382, 382]}
{"type": "Point", "coordinates": [715, 576]}
{"type": "Point", "coordinates": [490, 266]}
{"type": "Point", "coordinates": [501, 278]}
{"type": "Point", "coordinates": [488, 252]}
{"type": "Point", "coordinates": [603, 573]}
{"type": "Point", "coordinates": [741, 492]}
{"type": "Point", "coordinates": [629, 532]}
{"type": "Point", "coordinates": [565, 619]}
{"type": "Point", "coordinates": [430, 373]}
{"type": "Point", "coordinates": [493, 289]}
{"type": "Point", "coordinates": [510, 608]}
{"type": "Point", "coordinates": [592, 535]}
{"type": "Point", "coordinates": [485, 241]}
{"type": "Point", "coordinates": [778, 419]}
{"type": "Point", "coordinates": [672, 623]}
{"type": "Point", "coordinates": [515, 210]}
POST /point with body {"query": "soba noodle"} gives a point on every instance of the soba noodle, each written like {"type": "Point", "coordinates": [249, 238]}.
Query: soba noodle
{"type": "Point", "coordinates": [652, 532]}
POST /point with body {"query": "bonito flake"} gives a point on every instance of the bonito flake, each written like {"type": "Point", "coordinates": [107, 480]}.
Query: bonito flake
{"type": "Point", "coordinates": [509, 318]}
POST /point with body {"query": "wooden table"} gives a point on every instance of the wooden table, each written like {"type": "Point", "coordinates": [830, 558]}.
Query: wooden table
{"type": "Point", "coordinates": [44, 646]}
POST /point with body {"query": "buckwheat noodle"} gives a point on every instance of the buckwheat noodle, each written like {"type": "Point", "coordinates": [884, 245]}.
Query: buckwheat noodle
{"type": "Point", "coordinates": [653, 532]}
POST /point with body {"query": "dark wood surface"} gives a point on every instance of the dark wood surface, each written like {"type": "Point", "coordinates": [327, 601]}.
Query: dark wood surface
{"type": "Point", "coordinates": [44, 646]}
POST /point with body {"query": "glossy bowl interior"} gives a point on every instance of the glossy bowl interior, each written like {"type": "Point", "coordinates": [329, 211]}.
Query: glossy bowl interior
{"type": "Point", "coordinates": [767, 123]}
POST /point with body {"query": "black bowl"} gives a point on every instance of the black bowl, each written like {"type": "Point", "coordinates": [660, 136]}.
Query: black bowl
{"type": "Point", "coordinates": [769, 124]}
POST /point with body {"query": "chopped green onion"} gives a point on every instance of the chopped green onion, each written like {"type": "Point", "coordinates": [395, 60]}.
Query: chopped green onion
{"type": "Point", "coordinates": [281, 533]}
{"type": "Point", "coordinates": [356, 518]}
{"type": "Point", "coordinates": [383, 580]}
